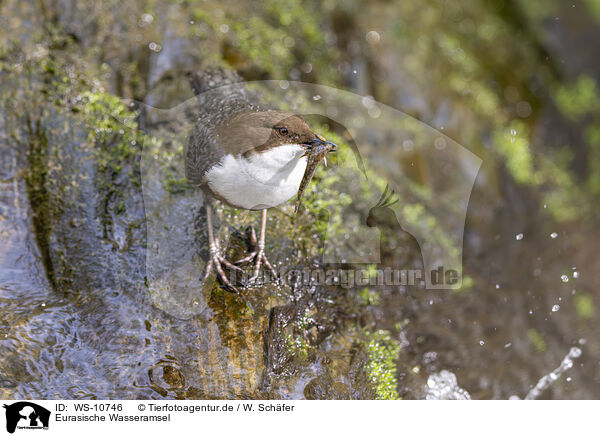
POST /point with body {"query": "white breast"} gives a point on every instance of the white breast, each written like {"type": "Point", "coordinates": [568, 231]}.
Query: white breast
{"type": "Point", "coordinates": [262, 181]}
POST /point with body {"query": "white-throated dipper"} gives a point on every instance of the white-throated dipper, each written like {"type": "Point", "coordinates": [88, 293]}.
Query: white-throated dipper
{"type": "Point", "coordinates": [246, 157]}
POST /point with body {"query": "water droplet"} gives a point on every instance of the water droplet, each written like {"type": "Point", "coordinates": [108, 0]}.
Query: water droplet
{"type": "Point", "coordinates": [358, 122]}
{"type": "Point", "coordinates": [482, 343]}
{"type": "Point", "coordinates": [568, 379]}
{"type": "Point", "coordinates": [407, 145]}
{"type": "Point", "coordinates": [316, 97]}
{"type": "Point", "coordinates": [497, 285]}
{"type": "Point", "coordinates": [555, 308]}
{"type": "Point", "coordinates": [519, 236]}
{"type": "Point", "coordinates": [575, 275]}
{"type": "Point", "coordinates": [368, 101]}
{"type": "Point", "coordinates": [373, 37]}
{"type": "Point", "coordinates": [284, 84]}
{"type": "Point", "coordinates": [147, 18]}
{"type": "Point", "coordinates": [289, 42]}
{"type": "Point", "coordinates": [224, 28]}
{"type": "Point", "coordinates": [154, 47]}
{"type": "Point", "coordinates": [439, 143]}
{"type": "Point", "coordinates": [531, 312]}
{"type": "Point", "coordinates": [564, 278]}
{"type": "Point", "coordinates": [374, 112]}
{"type": "Point", "coordinates": [553, 235]}
{"type": "Point", "coordinates": [513, 132]}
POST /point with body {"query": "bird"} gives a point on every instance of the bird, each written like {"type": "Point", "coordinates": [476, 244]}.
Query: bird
{"type": "Point", "coordinates": [245, 156]}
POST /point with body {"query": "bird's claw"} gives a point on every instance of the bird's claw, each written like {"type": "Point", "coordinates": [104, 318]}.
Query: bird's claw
{"type": "Point", "coordinates": [258, 255]}
{"type": "Point", "coordinates": [216, 261]}
{"type": "Point", "coordinates": [259, 258]}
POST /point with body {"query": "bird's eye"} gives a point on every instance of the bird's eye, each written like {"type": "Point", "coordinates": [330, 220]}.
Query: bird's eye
{"type": "Point", "coordinates": [283, 131]}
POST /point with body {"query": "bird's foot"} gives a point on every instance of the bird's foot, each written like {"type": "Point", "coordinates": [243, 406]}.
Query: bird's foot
{"type": "Point", "coordinates": [259, 257]}
{"type": "Point", "coordinates": [217, 261]}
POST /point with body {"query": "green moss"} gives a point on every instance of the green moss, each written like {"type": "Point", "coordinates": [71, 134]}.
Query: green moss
{"type": "Point", "coordinates": [279, 36]}
{"type": "Point", "coordinates": [592, 136]}
{"type": "Point", "coordinates": [297, 346]}
{"type": "Point", "coordinates": [305, 320]}
{"type": "Point", "coordinates": [296, 342]}
{"type": "Point", "coordinates": [536, 339]}
{"type": "Point", "coordinates": [113, 131]}
{"type": "Point", "coordinates": [466, 284]}
{"type": "Point", "coordinates": [578, 98]}
{"type": "Point", "coordinates": [584, 305]}
{"type": "Point", "coordinates": [368, 297]}
{"type": "Point", "coordinates": [111, 128]}
{"type": "Point", "coordinates": [120, 207]}
{"type": "Point", "coordinates": [548, 172]}
{"type": "Point", "coordinates": [174, 184]}
{"type": "Point", "coordinates": [381, 368]}
{"type": "Point", "coordinates": [513, 144]}
{"type": "Point", "coordinates": [564, 198]}
{"type": "Point", "coordinates": [35, 181]}
{"type": "Point", "coordinates": [594, 8]}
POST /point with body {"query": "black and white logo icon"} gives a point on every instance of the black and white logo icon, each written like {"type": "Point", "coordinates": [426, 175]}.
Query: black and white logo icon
{"type": "Point", "coordinates": [26, 415]}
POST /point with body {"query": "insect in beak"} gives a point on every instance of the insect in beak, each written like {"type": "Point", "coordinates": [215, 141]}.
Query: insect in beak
{"type": "Point", "coordinates": [317, 149]}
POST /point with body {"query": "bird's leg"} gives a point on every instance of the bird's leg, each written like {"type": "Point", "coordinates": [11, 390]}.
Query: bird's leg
{"type": "Point", "coordinates": [258, 254]}
{"type": "Point", "coordinates": [216, 259]}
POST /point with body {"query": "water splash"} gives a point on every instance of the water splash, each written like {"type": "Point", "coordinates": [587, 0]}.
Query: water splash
{"type": "Point", "coordinates": [443, 386]}
{"type": "Point", "coordinates": [546, 381]}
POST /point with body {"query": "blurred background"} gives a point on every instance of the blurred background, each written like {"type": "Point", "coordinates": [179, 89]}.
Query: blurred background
{"type": "Point", "coordinates": [515, 82]}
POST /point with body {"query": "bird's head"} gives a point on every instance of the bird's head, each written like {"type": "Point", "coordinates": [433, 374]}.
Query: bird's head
{"type": "Point", "coordinates": [255, 132]}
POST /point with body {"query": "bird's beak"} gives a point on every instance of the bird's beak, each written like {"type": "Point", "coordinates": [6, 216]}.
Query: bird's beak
{"type": "Point", "coordinates": [318, 140]}
{"type": "Point", "coordinates": [333, 146]}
